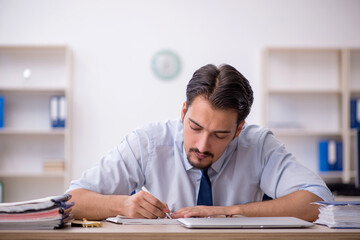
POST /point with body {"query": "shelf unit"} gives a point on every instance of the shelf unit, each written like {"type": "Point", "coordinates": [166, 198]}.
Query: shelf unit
{"type": "Point", "coordinates": [352, 57]}
{"type": "Point", "coordinates": [306, 98]}
{"type": "Point", "coordinates": [27, 139]}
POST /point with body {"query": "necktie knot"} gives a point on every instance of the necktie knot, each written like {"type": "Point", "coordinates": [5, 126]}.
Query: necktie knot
{"type": "Point", "coordinates": [205, 172]}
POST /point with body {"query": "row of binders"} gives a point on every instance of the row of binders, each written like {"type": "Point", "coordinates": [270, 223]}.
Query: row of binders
{"type": "Point", "coordinates": [331, 151]}
{"type": "Point", "coordinates": [58, 111]}
{"type": "Point", "coordinates": [44, 213]}
{"type": "Point", "coordinates": [343, 214]}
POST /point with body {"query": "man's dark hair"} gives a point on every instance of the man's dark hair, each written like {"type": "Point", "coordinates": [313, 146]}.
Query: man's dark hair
{"type": "Point", "coordinates": [224, 87]}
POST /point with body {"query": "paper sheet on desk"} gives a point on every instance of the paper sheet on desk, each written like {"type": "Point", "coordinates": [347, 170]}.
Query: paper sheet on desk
{"type": "Point", "coordinates": [140, 221]}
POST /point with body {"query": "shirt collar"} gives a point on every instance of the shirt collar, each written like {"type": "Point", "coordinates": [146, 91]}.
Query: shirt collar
{"type": "Point", "coordinates": [186, 163]}
{"type": "Point", "coordinates": [216, 166]}
{"type": "Point", "coordinates": [179, 141]}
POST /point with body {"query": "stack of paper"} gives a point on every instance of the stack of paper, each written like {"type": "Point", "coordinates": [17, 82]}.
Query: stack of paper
{"type": "Point", "coordinates": [44, 213]}
{"type": "Point", "coordinates": [345, 214]}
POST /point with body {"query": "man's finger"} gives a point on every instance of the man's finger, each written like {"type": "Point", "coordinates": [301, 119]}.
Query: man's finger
{"type": "Point", "coordinates": [154, 201]}
{"type": "Point", "coordinates": [145, 213]}
{"type": "Point", "coordinates": [151, 204]}
{"type": "Point", "coordinates": [153, 209]}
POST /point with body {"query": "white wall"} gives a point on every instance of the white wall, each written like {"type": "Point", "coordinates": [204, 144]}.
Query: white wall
{"type": "Point", "coordinates": [114, 89]}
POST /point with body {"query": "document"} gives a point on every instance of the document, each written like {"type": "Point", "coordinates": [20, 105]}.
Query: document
{"type": "Point", "coordinates": [140, 221]}
{"type": "Point", "coordinates": [344, 214]}
{"type": "Point", "coordinates": [44, 213]}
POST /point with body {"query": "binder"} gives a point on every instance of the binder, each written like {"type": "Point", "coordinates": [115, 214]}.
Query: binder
{"type": "Point", "coordinates": [1, 192]}
{"type": "Point", "coordinates": [62, 111]}
{"type": "Point", "coordinates": [54, 111]}
{"type": "Point", "coordinates": [330, 155]}
{"type": "Point", "coordinates": [357, 162]}
{"type": "Point", "coordinates": [57, 111]}
{"type": "Point", "coordinates": [355, 113]}
{"type": "Point", "coordinates": [339, 156]}
{"type": "Point", "coordinates": [2, 110]}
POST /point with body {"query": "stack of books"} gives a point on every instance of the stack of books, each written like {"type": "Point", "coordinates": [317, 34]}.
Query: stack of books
{"type": "Point", "coordinates": [53, 166]}
{"type": "Point", "coordinates": [44, 213]}
{"type": "Point", "coordinates": [344, 214]}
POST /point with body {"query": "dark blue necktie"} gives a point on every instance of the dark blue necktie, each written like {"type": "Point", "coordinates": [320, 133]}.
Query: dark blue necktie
{"type": "Point", "coordinates": [205, 194]}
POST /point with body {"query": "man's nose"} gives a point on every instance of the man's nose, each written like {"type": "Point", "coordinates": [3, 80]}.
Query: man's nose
{"type": "Point", "coordinates": [203, 143]}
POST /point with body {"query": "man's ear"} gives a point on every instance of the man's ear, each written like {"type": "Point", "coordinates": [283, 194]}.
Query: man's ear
{"type": "Point", "coordinates": [183, 111]}
{"type": "Point", "coordinates": [239, 128]}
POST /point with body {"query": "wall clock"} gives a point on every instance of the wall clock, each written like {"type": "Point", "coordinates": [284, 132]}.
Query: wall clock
{"type": "Point", "coordinates": [166, 64]}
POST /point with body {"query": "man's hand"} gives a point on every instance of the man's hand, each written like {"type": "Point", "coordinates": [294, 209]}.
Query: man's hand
{"type": "Point", "coordinates": [144, 205]}
{"type": "Point", "coordinates": [296, 204]}
{"type": "Point", "coordinates": [95, 206]}
{"type": "Point", "coordinates": [199, 211]}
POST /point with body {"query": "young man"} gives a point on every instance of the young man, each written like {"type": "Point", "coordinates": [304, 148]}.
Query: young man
{"type": "Point", "coordinates": [208, 163]}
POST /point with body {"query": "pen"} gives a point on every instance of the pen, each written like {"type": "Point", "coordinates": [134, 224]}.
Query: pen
{"type": "Point", "coordinates": [145, 190]}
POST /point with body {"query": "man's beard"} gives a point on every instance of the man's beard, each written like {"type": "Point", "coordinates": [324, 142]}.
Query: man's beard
{"type": "Point", "coordinates": [199, 166]}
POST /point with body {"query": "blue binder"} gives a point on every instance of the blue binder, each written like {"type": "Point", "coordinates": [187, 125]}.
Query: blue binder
{"type": "Point", "coordinates": [339, 157]}
{"type": "Point", "coordinates": [2, 111]}
{"type": "Point", "coordinates": [62, 111]}
{"type": "Point", "coordinates": [57, 111]}
{"type": "Point", "coordinates": [354, 118]}
{"type": "Point", "coordinates": [330, 155]}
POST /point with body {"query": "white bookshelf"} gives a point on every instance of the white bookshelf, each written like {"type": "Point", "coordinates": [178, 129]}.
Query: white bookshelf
{"type": "Point", "coordinates": [27, 139]}
{"type": "Point", "coordinates": [306, 98]}
{"type": "Point", "coordinates": [353, 86]}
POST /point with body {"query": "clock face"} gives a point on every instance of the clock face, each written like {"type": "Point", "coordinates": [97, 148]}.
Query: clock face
{"type": "Point", "coordinates": [166, 64]}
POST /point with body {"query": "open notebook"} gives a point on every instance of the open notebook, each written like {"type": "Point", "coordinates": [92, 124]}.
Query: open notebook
{"type": "Point", "coordinates": [245, 222]}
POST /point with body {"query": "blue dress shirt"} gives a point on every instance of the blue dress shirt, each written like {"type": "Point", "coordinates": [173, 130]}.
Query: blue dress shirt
{"type": "Point", "coordinates": [153, 156]}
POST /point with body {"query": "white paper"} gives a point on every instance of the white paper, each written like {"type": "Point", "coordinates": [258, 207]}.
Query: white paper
{"type": "Point", "coordinates": [140, 221]}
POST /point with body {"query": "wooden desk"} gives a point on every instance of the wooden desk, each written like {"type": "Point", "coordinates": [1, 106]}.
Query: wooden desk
{"type": "Point", "coordinates": [347, 198]}
{"type": "Point", "coordinates": [144, 232]}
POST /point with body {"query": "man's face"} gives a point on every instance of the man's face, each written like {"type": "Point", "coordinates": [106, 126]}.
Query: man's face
{"type": "Point", "coordinates": [207, 132]}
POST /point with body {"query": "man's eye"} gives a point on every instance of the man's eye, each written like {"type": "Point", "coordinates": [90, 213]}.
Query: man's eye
{"type": "Point", "coordinates": [220, 137]}
{"type": "Point", "coordinates": [195, 128]}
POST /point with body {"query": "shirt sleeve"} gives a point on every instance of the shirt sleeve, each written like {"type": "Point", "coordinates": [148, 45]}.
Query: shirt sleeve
{"type": "Point", "coordinates": [283, 174]}
{"type": "Point", "coordinates": [120, 171]}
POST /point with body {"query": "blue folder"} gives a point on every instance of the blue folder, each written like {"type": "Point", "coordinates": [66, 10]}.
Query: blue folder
{"type": "Point", "coordinates": [2, 111]}
{"type": "Point", "coordinates": [57, 111]}
{"type": "Point", "coordinates": [354, 120]}
{"type": "Point", "coordinates": [327, 164]}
